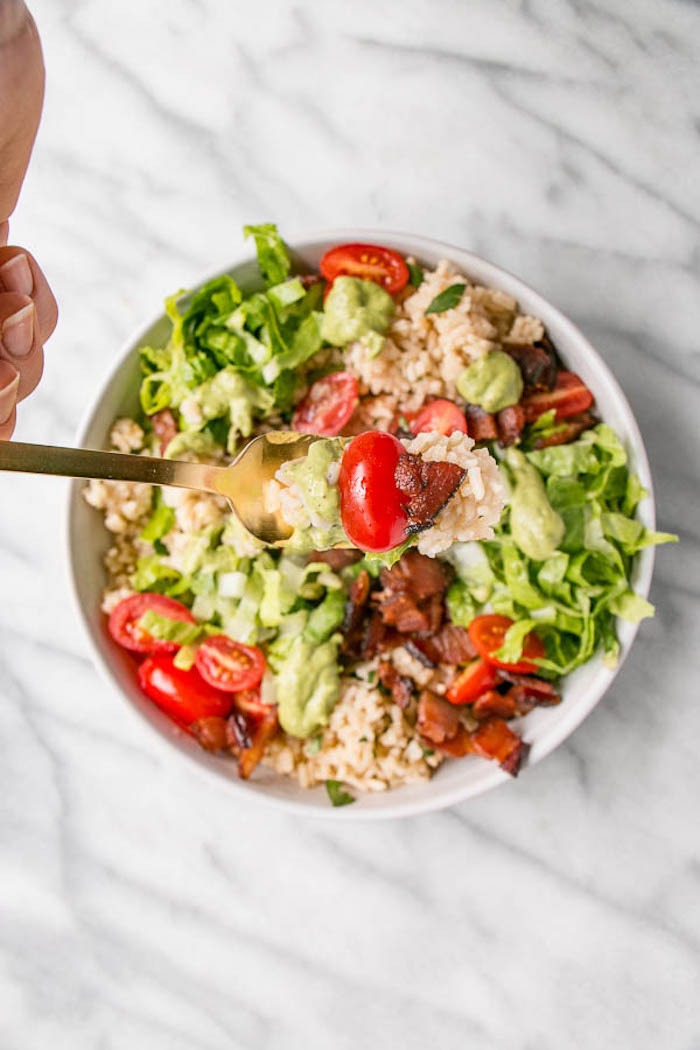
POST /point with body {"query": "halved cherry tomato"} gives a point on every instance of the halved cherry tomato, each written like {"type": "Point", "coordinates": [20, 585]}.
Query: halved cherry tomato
{"type": "Point", "coordinates": [124, 627]}
{"type": "Point", "coordinates": [370, 503]}
{"type": "Point", "coordinates": [472, 682]}
{"type": "Point", "coordinates": [440, 416]}
{"type": "Point", "coordinates": [369, 262]}
{"type": "Point", "coordinates": [229, 665]}
{"type": "Point", "coordinates": [182, 695]}
{"type": "Point", "coordinates": [328, 405]}
{"type": "Point", "coordinates": [569, 397]}
{"type": "Point", "coordinates": [487, 633]}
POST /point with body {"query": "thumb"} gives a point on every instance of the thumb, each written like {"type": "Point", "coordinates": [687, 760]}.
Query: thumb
{"type": "Point", "coordinates": [21, 97]}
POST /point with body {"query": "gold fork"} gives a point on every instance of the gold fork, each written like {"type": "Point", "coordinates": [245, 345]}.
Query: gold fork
{"type": "Point", "coordinates": [242, 482]}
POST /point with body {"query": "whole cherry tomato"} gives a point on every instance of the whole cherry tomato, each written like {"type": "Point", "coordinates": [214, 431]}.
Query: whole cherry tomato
{"type": "Point", "coordinates": [370, 502]}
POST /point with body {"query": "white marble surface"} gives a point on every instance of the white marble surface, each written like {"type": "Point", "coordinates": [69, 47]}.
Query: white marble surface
{"type": "Point", "coordinates": [140, 908]}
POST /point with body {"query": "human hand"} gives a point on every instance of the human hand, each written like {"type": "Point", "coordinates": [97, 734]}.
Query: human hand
{"type": "Point", "coordinates": [28, 311]}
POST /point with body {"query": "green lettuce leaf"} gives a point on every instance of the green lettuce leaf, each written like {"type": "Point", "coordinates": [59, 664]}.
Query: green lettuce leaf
{"type": "Point", "coordinates": [273, 257]}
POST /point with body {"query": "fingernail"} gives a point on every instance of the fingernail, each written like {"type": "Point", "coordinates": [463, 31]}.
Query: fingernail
{"type": "Point", "coordinates": [18, 332]}
{"type": "Point", "coordinates": [16, 275]}
{"type": "Point", "coordinates": [9, 385]}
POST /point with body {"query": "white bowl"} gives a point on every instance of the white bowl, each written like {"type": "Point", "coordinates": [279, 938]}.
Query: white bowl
{"type": "Point", "coordinates": [456, 780]}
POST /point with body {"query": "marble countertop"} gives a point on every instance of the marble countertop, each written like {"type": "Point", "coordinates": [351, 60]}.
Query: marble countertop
{"type": "Point", "coordinates": [141, 907]}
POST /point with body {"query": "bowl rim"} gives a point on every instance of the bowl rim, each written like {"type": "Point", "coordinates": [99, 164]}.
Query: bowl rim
{"type": "Point", "coordinates": [490, 273]}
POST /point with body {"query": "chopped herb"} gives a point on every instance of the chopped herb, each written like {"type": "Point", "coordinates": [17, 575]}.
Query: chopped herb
{"type": "Point", "coordinates": [159, 547]}
{"type": "Point", "coordinates": [337, 793]}
{"type": "Point", "coordinates": [363, 740]}
{"type": "Point", "coordinates": [371, 677]}
{"type": "Point", "coordinates": [428, 752]}
{"type": "Point", "coordinates": [446, 300]}
{"type": "Point", "coordinates": [314, 744]}
{"type": "Point", "coordinates": [415, 274]}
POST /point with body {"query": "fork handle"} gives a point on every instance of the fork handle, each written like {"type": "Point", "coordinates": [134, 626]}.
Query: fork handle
{"type": "Point", "coordinates": [112, 466]}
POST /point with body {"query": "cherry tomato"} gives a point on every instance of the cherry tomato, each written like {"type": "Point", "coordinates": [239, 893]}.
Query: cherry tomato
{"type": "Point", "coordinates": [569, 397]}
{"type": "Point", "coordinates": [370, 502]}
{"type": "Point", "coordinates": [183, 695]}
{"type": "Point", "coordinates": [440, 416]}
{"type": "Point", "coordinates": [229, 665]}
{"type": "Point", "coordinates": [369, 262]}
{"type": "Point", "coordinates": [124, 628]}
{"type": "Point", "coordinates": [474, 680]}
{"type": "Point", "coordinates": [487, 633]}
{"type": "Point", "coordinates": [328, 405]}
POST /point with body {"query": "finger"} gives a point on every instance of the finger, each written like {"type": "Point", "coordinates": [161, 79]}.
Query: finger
{"type": "Point", "coordinates": [4, 232]}
{"type": "Point", "coordinates": [9, 387]}
{"type": "Point", "coordinates": [21, 97]}
{"type": "Point", "coordinates": [20, 345]}
{"type": "Point", "coordinates": [20, 272]}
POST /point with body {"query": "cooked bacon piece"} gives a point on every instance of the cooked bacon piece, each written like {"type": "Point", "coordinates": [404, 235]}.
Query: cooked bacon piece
{"type": "Point", "coordinates": [355, 608]}
{"type": "Point", "coordinates": [409, 475]}
{"type": "Point", "coordinates": [237, 733]}
{"type": "Point", "coordinates": [379, 637]}
{"type": "Point", "coordinates": [401, 611]}
{"type": "Point", "coordinates": [164, 427]}
{"type": "Point", "coordinates": [495, 739]}
{"type": "Point", "coordinates": [261, 733]}
{"type": "Point", "coordinates": [451, 645]}
{"type": "Point", "coordinates": [568, 431]}
{"type": "Point", "coordinates": [459, 746]}
{"type": "Point", "coordinates": [510, 424]}
{"type": "Point", "coordinates": [537, 362]}
{"type": "Point", "coordinates": [210, 733]}
{"type": "Point", "coordinates": [416, 574]}
{"type": "Point", "coordinates": [542, 691]}
{"type": "Point", "coordinates": [337, 560]}
{"type": "Point", "coordinates": [400, 687]}
{"type": "Point", "coordinates": [427, 486]}
{"type": "Point", "coordinates": [438, 721]}
{"type": "Point", "coordinates": [482, 425]}
{"type": "Point", "coordinates": [512, 704]}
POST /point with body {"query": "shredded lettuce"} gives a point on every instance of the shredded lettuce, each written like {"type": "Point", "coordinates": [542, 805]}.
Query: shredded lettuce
{"type": "Point", "coordinates": [273, 257]}
{"type": "Point", "coordinates": [261, 338]}
{"type": "Point", "coordinates": [571, 599]}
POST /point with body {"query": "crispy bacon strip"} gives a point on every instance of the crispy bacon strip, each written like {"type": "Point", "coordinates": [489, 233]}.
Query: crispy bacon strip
{"type": "Point", "coordinates": [416, 574]}
{"type": "Point", "coordinates": [537, 362]}
{"type": "Point", "coordinates": [427, 487]}
{"type": "Point", "coordinates": [512, 704]}
{"type": "Point", "coordinates": [496, 740]}
{"type": "Point", "coordinates": [482, 425]}
{"type": "Point", "coordinates": [438, 721]}
{"type": "Point", "coordinates": [400, 687]}
{"type": "Point", "coordinates": [510, 424]}
{"type": "Point", "coordinates": [540, 690]}
{"type": "Point", "coordinates": [401, 611]}
{"type": "Point", "coordinates": [450, 645]}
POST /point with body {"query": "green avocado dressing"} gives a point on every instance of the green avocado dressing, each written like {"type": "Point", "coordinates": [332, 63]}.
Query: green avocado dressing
{"type": "Point", "coordinates": [354, 309]}
{"type": "Point", "coordinates": [308, 685]}
{"type": "Point", "coordinates": [321, 499]}
{"type": "Point", "coordinates": [493, 382]}
{"type": "Point", "coordinates": [535, 526]}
